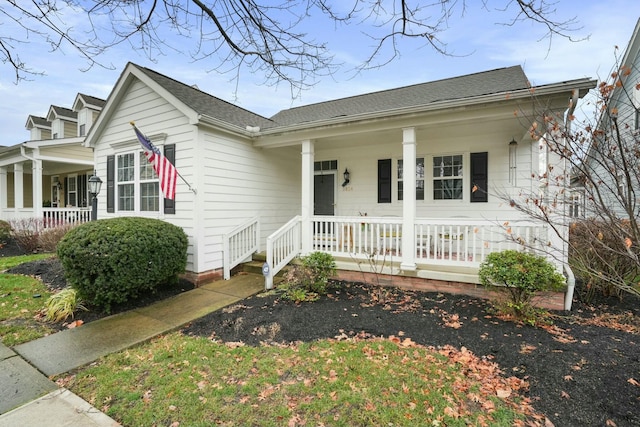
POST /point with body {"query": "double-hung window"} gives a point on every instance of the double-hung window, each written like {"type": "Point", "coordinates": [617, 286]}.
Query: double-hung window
{"type": "Point", "coordinates": [448, 177]}
{"type": "Point", "coordinates": [137, 183]}
{"type": "Point", "coordinates": [419, 179]}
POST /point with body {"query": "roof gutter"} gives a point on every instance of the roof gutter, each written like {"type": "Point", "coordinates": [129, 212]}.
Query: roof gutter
{"type": "Point", "coordinates": [249, 131]}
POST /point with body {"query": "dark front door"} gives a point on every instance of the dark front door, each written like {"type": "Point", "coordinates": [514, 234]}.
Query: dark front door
{"type": "Point", "coordinates": [324, 194]}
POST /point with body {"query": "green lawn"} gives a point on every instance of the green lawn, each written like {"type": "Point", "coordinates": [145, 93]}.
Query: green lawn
{"type": "Point", "coordinates": [21, 298]}
{"type": "Point", "coordinates": [185, 381]}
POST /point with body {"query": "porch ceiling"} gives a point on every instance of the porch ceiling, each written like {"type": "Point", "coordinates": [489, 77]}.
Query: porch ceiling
{"type": "Point", "coordinates": [505, 127]}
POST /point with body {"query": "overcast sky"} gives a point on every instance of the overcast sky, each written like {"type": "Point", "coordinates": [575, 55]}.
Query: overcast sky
{"type": "Point", "coordinates": [478, 42]}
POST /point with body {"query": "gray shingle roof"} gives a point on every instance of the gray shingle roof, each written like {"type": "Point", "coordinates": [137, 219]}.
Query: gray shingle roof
{"type": "Point", "coordinates": [468, 86]}
{"type": "Point", "coordinates": [206, 104]}
{"type": "Point", "coordinates": [64, 112]}
{"type": "Point", "coordinates": [501, 80]}
{"type": "Point", "coordinates": [39, 121]}
{"type": "Point", "coordinates": [92, 100]}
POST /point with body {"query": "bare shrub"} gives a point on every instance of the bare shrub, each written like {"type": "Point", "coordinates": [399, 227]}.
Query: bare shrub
{"type": "Point", "coordinates": [26, 232]}
{"type": "Point", "coordinates": [37, 235]}
{"type": "Point", "coordinates": [49, 237]}
{"type": "Point", "coordinates": [601, 259]}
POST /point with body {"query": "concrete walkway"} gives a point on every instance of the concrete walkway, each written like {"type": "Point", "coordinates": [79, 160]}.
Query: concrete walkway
{"type": "Point", "coordinates": [29, 398]}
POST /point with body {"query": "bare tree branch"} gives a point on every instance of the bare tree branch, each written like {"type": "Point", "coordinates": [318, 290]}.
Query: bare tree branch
{"type": "Point", "coordinates": [269, 37]}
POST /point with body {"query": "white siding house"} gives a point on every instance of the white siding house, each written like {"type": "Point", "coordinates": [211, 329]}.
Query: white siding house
{"type": "Point", "coordinates": [45, 178]}
{"type": "Point", "coordinates": [429, 167]}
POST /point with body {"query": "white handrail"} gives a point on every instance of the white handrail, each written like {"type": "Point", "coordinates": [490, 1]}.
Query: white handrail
{"type": "Point", "coordinates": [239, 244]}
{"type": "Point", "coordinates": [282, 247]}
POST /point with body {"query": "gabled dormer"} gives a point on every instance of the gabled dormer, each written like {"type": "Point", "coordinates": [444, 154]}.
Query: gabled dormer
{"type": "Point", "coordinates": [87, 109]}
{"type": "Point", "coordinates": [39, 128]}
{"type": "Point", "coordinates": [64, 122]}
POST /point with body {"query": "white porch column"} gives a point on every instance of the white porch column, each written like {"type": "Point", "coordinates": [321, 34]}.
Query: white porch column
{"type": "Point", "coordinates": [409, 199]}
{"type": "Point", "coordinates": [36, 184]}
{"type": "Point", "coordinates": [18, 186]}
{"type": "Point", "coordinates": [3, 191]}
{"type": "Point", "coordinates": [307, 195]}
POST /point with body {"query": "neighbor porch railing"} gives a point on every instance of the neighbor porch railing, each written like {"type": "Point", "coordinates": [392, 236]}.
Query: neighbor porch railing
{"type": "Point", "coordinates": [54, 217]}
{"type": "Point", "coordinates": [239, 244]}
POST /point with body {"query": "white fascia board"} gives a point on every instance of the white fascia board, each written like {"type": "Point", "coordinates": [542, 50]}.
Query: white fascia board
{"type": "Point", "coordinates": [76, 140]}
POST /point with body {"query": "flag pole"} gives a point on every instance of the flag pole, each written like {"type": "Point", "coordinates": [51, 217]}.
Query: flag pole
{"type": "Point", "coordinates": [132, 123]}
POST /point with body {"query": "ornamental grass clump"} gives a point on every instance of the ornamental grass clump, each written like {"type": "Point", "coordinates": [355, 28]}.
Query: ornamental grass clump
{"type": "Point", "coordinates": [113, 260]}
{"type": "Point", "coordinates": [63, 305]}
{"type": "Point", "coordinates": [520, 275]}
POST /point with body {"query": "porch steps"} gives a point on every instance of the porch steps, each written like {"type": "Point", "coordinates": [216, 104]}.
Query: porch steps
{"type": "Point", "coordinates": [255, 265]}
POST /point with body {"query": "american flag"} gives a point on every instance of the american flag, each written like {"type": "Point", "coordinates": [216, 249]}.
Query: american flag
{"type": "Point", "coordinates": [167, 173]}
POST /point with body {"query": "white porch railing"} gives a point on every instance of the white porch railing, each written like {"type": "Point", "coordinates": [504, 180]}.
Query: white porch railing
{"type": "Point", "coordinates": [469, 241]}
{"type": "Point", "coordinates": [240, 244]}
{"type": "Point", "coordinates": [54, 217]}
{"type": "Point", "coordinates": [282, 247]}
{"type": "Point", "coordinates": [354, 236]}
{"type": "Point", "coordinates": [450, 241]}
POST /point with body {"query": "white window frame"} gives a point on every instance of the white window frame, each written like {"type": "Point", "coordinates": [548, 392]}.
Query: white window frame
{"type": "Point", "coordinates": [71, 178]}
{"type": "Point", "coordinates": [464, 177]}
{"type": "Point", "coordinates": [398, 180]}
{"type": "Point", "coordinates": [137, 183]}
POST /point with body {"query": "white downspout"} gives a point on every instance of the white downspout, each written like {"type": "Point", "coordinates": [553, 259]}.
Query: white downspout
{"type": "Point", "coordinates": [571, 280]}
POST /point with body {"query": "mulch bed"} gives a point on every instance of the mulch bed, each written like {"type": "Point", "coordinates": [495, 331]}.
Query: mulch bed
{"type": "Point", "coordinates": [583, 370]}
{"type": "Point", "coordinates": [580, 372]}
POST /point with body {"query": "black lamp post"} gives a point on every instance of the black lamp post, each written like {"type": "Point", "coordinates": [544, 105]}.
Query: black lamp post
{"type": "Point", "coordinates": [94, 188]}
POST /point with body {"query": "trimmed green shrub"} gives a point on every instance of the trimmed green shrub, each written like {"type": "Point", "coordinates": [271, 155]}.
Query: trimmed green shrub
{"type": "Point", "coordinates": [520, 275]}
{"type": "Point", "coordinates": [307, 281]}
{"type": "Point", "coordinates": [113, 260]}
{"type": "Point", "coordinates": [5, 231]}
{"type": "Point", "coordinates": [321, 266]}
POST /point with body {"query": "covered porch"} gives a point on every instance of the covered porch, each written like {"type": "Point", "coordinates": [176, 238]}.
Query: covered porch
{"type": "Point", "coordinates": [44, 183]}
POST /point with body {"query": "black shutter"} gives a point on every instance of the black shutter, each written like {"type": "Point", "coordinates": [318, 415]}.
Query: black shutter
{"type": "Point", "coordinates": [81, 185]}
{"type": "Point", "coordinates": [66, 191]}
{"type": "Point", "coordinates": [170, 154]}
{"type": "Point", "coordinates": [384, 181]}
{"type": "Point", "coordinates": [479, 177]}
{"type": "Point", "coordinates": [111, 173]}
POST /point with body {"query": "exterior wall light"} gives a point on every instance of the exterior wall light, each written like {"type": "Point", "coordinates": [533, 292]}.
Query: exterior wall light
{"type": "Point", "coordinates": [346, 176]}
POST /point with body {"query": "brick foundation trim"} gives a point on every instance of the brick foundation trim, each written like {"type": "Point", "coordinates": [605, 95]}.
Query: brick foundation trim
{"type": "Point", "coordinates": [546, 300]}
{"type": "Point", "coordinates": [199, 279]}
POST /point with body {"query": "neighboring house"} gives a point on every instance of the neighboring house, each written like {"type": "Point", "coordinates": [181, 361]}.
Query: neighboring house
{"type": "Point", "coordinates": [46, 177]}
{"type": "Point", "coordinates": [403, 181]}
{"type": "Point", "coordinates": [618, 131]}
